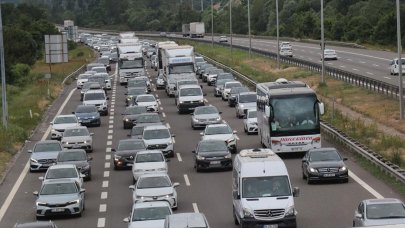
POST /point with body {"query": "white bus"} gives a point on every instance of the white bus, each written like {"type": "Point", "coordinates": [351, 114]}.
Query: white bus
{"type": "Point", "coordinates": [288, 116]}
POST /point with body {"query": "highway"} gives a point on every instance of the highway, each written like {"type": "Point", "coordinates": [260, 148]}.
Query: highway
{"type": "Point", "coordinates": [369, 63]}
{"type": "Point", "coordinates": [108, 199]}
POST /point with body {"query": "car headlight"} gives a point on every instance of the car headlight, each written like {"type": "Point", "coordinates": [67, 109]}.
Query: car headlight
{"type": "Point", "coordinates": [241, 105]}
{"type": "Point", "coordinates": [230, 140]}
{"type": "Point", "coordinates": [41, 204]}
{"type": "Point", "coordinates": [126, 120]}
{"type": "Point", "coordinates": [290, 211]}
{"type": "Point", "coordinates": [33, 160]}
{"type": "Point", "coordinates": [93, 117]}
{"type": "Point", "coordinates": [74, 201]}
{"type": "Point", "coordinates": [65, 142]}
{"type": "Point", "coordinates": [181, 102]}
{"type": "Point", "coordinates": [228, 156]}
{"type": "Point", "coordinates": [247, 213]}
{"type": "Point", "coordinates": [343, 168]}
{"type": "Point", "coordinates": [87, 141]}
{"type": "Point", "coordinates": [140, 197]}
{"type": "Point", "coordinates": [170, 142]}
{"type": "Point", "coordinates": [169, 195]}
{"type": "Point", "coordinates": [218, 118]}
{"type": "Point", "coordinates": [202, 101]}
{"type": "Point", "coordinates": [78, 118]}
{"type": "Point", "coordinates": [312, 170]}
{"type": "Point", "coordinates": [200, 157]}
{"type": "Point", "coordinates": [116, 157]}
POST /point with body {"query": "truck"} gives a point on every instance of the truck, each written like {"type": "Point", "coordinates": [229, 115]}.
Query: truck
{"type": "Point", "coordinates": [67, 24]}
{"type": "Point", "coordinates": [130, 61]}
{"type": "Point", "coordinates": [127, 37]}
{"type": "Point", "coordinates": [159, 47]}
{"type": "Point", "coordinates": [197, 29]}
{"type": "Point", "coordinates": [177, 63]}
{"type": "Point", "coordinates": [185, 29]}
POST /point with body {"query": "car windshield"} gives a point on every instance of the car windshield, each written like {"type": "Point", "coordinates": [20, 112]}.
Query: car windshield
{"type": "Point", "coordinates": [270, 186]}
{"type": "Point", "coordinates": [145, 99]}
{"type": "Point", "coordinates": [190, 92]}
{"type": "Point", "coordinates": [58, 188]}
{"type": "Point", "coordinates": [156, 134]}
{"type": "Point", "coordinates": [76, 132]}
{"type": "Point", "coordinates": [385, 211]}
{"type": "Point", "coordinates": [135, 110]}
{"type": "Point", "coordinates": [148, 119]}
{"type": "Point", "coordinates": [131, 145]}
{"type": "Point", "coordinates": [128, 64]}
{"type": "Point", "coordinates": [223, 76]}
{"type": "Point", "coordinates": [252, 114]}
{"type": "Point", "coordinates": [86, 86]}
{"type": "Point", "coordinates": [212, 146]}
{"type": "Point", "coordinates": [65, 120]}
{"type": "Point", "coordinates": [233, 84]}
{"type": "Point", "coordinates": [94, 96]}
{"type": "Point", "coordinates": [247, 98]}
{"type": "Point", "coordinates": [86, 109]}
{"type": "Point", "coordinates": [149, 157]}
{"type": "Point", "coordinates": [136, 91]}
{"type": "Point", "coordinates": [178, 69]}
{"type": "Point", "coordinates": [205, 110]}
{"type": "Point", "coordinates": [47, 147]}
{"type": "Point", "coordinates": [84, 76]}
{"type": "Point", "coordinates": [223, 81]}
{"type": "Point", "coordinates": [150, 213]}
{"type": "Point", "coordinates": [154, 182]}
{"type": "Point", "coordinates": [61, 173]}
{"type": "Point", "coordinates": [137, 131]}
{"type": "Point", "coordinates": [237, 90]}
{"type": "Point", "coordinates": [72, 156]}
{"type": "Point", "coordinates": [329, 155]}
{"type": "Point", "coordinates": [136, 84]}
{"type": "Point", "coordinates": [218, 130]}
{"type": "Point", "coordinates": [329, 52]}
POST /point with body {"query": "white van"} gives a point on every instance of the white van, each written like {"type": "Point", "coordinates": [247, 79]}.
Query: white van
{"type": "Point", "coordinates": [394, 67]}
{"type": "Point", "coordinates": [262, 192]}
{"type": "Point", "coordinates": [189, 97]}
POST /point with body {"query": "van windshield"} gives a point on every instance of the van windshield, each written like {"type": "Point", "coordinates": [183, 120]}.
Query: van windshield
{"type": "Point", "coordinates": [270, 186]}
{"type": "Point", "coordinates": [190, 92]}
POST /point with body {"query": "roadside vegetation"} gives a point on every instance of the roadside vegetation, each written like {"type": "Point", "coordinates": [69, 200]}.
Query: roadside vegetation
{"type": "Point", "coordinates": [375, 106]}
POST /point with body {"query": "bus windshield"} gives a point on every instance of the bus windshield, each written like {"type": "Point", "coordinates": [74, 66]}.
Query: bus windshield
{"type": "Point", "coordinates": [294, 114]}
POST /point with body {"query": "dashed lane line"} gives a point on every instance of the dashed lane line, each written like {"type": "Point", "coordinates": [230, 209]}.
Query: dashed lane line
{"type": "Point", "coordinates": [107, 165]}
{"type": "Point", "coordinates": [109, 143]}
{"type": "Point", "coordinates": [164, 115]}
{"type": "Point", "coordinates": [105, 184]}
{"type": "Point", "coordinates": [168, 125]}
{"type": "Point", "coordinates": [387, 77]}
{"type": "Point", "coordinates": [186, 180]}
{"type": "Point", "coordinates": [101, 222]}
{"type": "Point", "coordinates": [106, 174]}
{"type": "Point", "coordinates": [195, 208]}
{"type": "Point", "coordinates": [103, 208]}
{"type": "Point", "coordinates": [104, 195]}
{"type": "Point", "coordinates": [109, 137]}
{"type": "Point", "coordinates": [179, 157]}
{"type": "Point", "coordinates": [108, 157]}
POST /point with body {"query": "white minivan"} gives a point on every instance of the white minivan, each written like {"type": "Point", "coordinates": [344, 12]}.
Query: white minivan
{"type": "Point", "coordinates": [189, 97]}
{"type": "Point", "coordinates": [394, 67]}
{"type": "Point", "coordinates": [261, 189]}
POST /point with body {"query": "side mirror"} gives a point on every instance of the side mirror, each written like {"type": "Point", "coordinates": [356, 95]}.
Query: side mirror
{"type": "Point", "coordinates": [296, 192]}
{"type": "Point", "coordinates": [82, 190]}
{"type": "Point", "coordinates": [220, 112]}
{"type": "Point", "coordinates": [41, 178]}
{"type": "Point", "coordinates": [304, 159]}
{"type": "Point", "coordinates": [51, 123]}
{"type": "Point", "coordinates": [167, 160]}
{"type": "Point", "coordinates": [132, 187]}
{"type": "Point", "coordinates": [345, 159]}
{"type": "Point", "coordinates": [73, 112]}
{"type": "Point", "coordinates": [82, 175]}
{"type": "Point", "coordinates": [204, 94]}
{"type": "Point", "coordinates": [126, 219]}
{"type": "Point", "coordinates": [235, 195]}
{"type": "Point", "coordinates": [113, 150]}
{"type": "Point", "coordinates": [235, 131]}
{"type": "Point", "coordinates": [173, 135]}
{"type": "Point", "coordinates": [125, 93]}
{"type": "Point", "coordinates": [202, 133]}
{"type": "Point", "coordinates": [193, 151]}
{"type": "Point", "coordinates": [76, 78]}
{"type": "Point", "coordinates": [129, 135]}
{"type": "Point", "coordinates": [89, 158]}
{"type": "Point", "coordinates": [358, 215]}
{"type": "Point", "coordinates": [91, 134]}
{"type": "Point", "coordinates": [321, 108]}
{"type": "Point", "coordinates": [35, 193]}
{"type": "Point", "coordinates": [107, 98]}
{"type": "Point", "coordinates": [29, 151]}
{"type": "Point", "coordinates": [201, 86]}
{"type": "Point", "coordinates": [245, 117]}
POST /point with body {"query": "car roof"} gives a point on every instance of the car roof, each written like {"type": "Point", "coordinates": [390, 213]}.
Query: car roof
{"type": "Point", "coordinates": [151, 204]}
{"type": "Point", "coordinates": [149, 152]}
{"type": "Point", "coordinates": [187, 220]}
{"type": "Point", "coordinates": [382, 201]}
{"type": "Point", "coordinates": [130, 140]}
{"type": "Point", "coordinates": [217, 125]}
{"type": "Point", "coordinates": [62, 166]}
{"type": "Point", "coordinates": [37, 224]}
{"type": "Point", "coordinates": [68, 115]}
{"type": "Point", "coordinates": [155, 127]}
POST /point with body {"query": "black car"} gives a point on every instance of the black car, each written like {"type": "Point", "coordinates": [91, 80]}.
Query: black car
{"type": "Point", "coordinates": [212, 154]}
{"type": "Point", "coordinates": [233, 94]}
{"type": "Point", "coordinates": [149, 117]}
{"type": "Point", "coordinates": [88, 115]}
{"type": "Point", "coordinates": [132, 93]}
{"type": "Point", "coordinates": [324, 164]}
{"type": "Point", "coordinates": [130, 114]}
{"type": "Point", "coordinates": [77, 157]}
{"type": "Point", "coordinates": [126, 151]}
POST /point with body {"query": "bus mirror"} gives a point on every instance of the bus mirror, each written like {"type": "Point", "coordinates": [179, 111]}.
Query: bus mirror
{"type": "Point", "coordinates": [321, 108]}
{"type": "Point", "coordinates": [267, 111]}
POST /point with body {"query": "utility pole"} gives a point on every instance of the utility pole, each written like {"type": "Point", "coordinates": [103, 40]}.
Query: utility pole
{"type": "Point", "coordinates": [202, 5]}
{"type": "Point", "coordinates": [401, 104]}
{"type": "Point", "coordinates": [278, 38]}
{"type": "Point", "coordinates": [212, 24]}
{"type": "Point", "coordinates": [322, 46]}
{"type": "Point", "coordinates": [230, 24]}
{"type": "Point", "coordinates": [250, 37]}
{"type": "Point", "coordinates": [3, 76]}
{"type": "Point", "coordinates": [192, 5]}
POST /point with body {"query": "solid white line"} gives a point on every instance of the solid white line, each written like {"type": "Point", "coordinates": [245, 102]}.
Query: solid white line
{"type": "Point", "coordinates": [24, 172]}
{"type": "Point", "coordinates": [387, 77]}
{"type": "Point", "coordinates": [186, 180]}
{"type": "Point", "coordinates": [164, 115]}
{"type": "Point", "coordinates": [195, 208]}
{"type": "Point", "coordinates": [179, 157]}
{"type": "Point", "coordinates": [103, 208]}
{"type": "Point", "coordinates": [105, 184]}
{"type": "Point", "coordinates": [107, 156]}
{"type": "Point", "coordinates": [107, 165]}
{"type": "Point", "coordinates": [106, 174]}
{"type": "Point", "coordinates": [101, 222]}
{"type": "Point", "coordinates": [365, 185]}
{"type": "Point", "coordinates": [104, 195]}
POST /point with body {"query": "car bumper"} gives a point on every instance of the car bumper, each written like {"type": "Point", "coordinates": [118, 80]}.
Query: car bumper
{"type": "Point", "coordinates": [189, 106]}
{"type": "Point", "coordinates": [171, 200]}
{"type": "Point", "coordinates": [167, 150]}
{"type": "Point", "coordinates": [214, 164]}
{"type": "Point", "coordinates": [34, 166]}
{"type": "Point", "coordinates": [123, 163]}
{"type": "Point", "coordinates": [290, 221]}
{"type": "Point", "coordinates": [43, 211]}
{"type": "Point", "coordinates": [90, 122]}
{"type": "Point", "coordinates": [86, 147]}
{"type": "Point", "coordinates": [326, 177]}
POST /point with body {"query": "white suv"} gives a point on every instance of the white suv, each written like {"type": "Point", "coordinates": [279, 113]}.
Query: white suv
{"type": "Point", "coordinates": [97, 98]}
{"type": "Point", "coordinates": [158, 137]}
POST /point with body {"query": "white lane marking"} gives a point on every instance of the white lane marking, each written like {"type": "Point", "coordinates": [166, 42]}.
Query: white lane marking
{"type": "Point", "coordinates": [355, 69]}
{"type": "Point", "coordinates": [111, 121]}
{"type": "Point", "coordinates": [107, 165]}
{"type": "Point", "coordinates": [365, 185]}
{"type": "Point", "coordinates": [179, 157]}
{"type": "Point", "coordinates": [24, 172]}
{"type": "Point", "coordinates": [110, 131]}
{"type": "Point", "coordinates": [104, 195]}
{"type": "Point", "coordinates": [106, 174]}
{"type": "Point", "coordinates": [111, 113]}
{"type": "Point", "coordinates": [186, 180]}
{"type": "Point", "coordinates": [224, 121]}
{"type": "Point", "coordinates": [376, 65]}
{"type": "Point", "coordinates": [156, 95]}
{"type": "Point", "coordinates": [330, 63]}
{"type": "Point", "coordinates": [159, 103]}
{"type": "Point", "coordinates": [349, 59]}
{"type": "Point", "coordinates": [174, 141]}
{"type": "Point", "coordinates": [112, 103]}
{"type": "Point", "coordinates": [107, 156]}
{"type": "Point", "coordinates": [237, 137]}
{"type": "Point", "coordinates": [362, 62]}
{"type": "Point", "coordinates": [343, 66]}
{"type": "Point", "coordinates": [103, 208]}
{"type": "Point", "coordinates": [108, 149]}
{"type": "Point", "coordinates": [101, 222]}
{"type": "Point", "coordinates": [111, 117]}
{"type": "Point", "coordinates": [168, 125]}
{"type": "Point", "coordinates": [195, 208]}
{"type": "Point", "coordinates": [105, 184]}
{"type": "Point", "coordinates": [112, 110]}
{"type": "Point", "coordinates": [161, 108]}
{"type": "Point", "coordinates": [369, 73]}
{"type": "Point", "coordinates": [109, 137]}
{"type": "Point", "coordinates": [154, 90]}
{"type": "Point", "coordinates": [387, 77]}
{"type": "Point", "coordinates": [110, 126]}
{"type": "Point", "coordinates": [164, 115]}
{"type": "Point", "coordinates": [109, 143]}
{"type": "Point", "coordinates": [205, 100]}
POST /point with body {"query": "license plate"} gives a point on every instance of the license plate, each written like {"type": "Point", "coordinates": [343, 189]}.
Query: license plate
{"type": "Point", "coordinates": [58, 209]}
{"type": "Point", "coordinates": [77, 146]}
{"type": "Point", "coordinates": [270, 226]}
{"type": "Point", "coordinates": [191, 108]}
{"type": "Point", "coordinates": [215, 162]}
{"type": "Point", "coordinates": [296, 149]}
{"type": "Point", "coordinates": [329, 175]}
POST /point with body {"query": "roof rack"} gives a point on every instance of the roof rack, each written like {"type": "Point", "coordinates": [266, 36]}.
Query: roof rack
{"type": "Point", "coordinates": [257, 153]}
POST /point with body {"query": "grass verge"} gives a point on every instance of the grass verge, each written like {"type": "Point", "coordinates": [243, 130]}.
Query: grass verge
{"type": "Point", "coordinates": [34, 96]}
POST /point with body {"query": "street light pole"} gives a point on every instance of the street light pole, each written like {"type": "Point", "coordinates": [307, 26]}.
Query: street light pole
{"type": "Point", "coordinates": [192, 4]}
{"type": "Point", "coordinates": [322, 46]}
{"type": "Point", "coordinates": [401, 108]}
{"type": "Point", "coordinates": [230, 24]}
{"type": "Point", "coordinates": [250, 37]}
{"type": "Point", "coordinates": [202, 5]}
{"type": "Point", "coordinates": [3, 76]}
{"type": "Point", "coordinates": [278, 38]}
{"type": "Point", "coordinates": [212, 24]}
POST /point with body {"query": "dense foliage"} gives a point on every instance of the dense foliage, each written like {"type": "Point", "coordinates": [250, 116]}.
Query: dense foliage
{"type": "Point", "coordinates": [363, 21]}
{"type": "Point", "coordinates": [24, 27]}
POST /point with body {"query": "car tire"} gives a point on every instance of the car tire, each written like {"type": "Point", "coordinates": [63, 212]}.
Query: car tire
{"type": "Point", "coordinates": [309, 181]}
{"type": "Point", "coordinates": [346, 180]}
{"type": "Point", "coordinates": [303, 176]}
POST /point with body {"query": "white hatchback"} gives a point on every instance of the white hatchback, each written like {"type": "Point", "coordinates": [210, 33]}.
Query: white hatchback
{"type": "Point", "coordinates": [147, 162]}
{"type": "Point", "coordinates": [148, 214]}
{"type": "Point", "coordinates": [63, 171]}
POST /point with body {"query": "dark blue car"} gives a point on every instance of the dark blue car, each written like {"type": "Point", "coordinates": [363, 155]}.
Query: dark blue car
{"type": "Point", "coordinates": [88, 115]}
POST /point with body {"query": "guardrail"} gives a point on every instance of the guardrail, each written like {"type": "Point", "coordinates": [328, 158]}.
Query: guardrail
{"type": "Point", "coordinates": [74, 74]}
{"type": "Point", "coordinates": [353, 145]}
